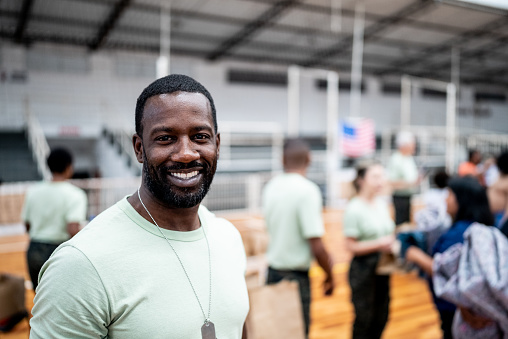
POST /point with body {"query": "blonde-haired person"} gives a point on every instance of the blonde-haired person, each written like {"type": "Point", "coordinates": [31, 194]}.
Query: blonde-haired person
{"type": "Point", "coordinates": [369, 231]}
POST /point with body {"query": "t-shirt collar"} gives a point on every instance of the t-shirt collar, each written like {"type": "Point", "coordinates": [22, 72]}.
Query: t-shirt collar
{"type": "Point", "coordinates": [188, 236]}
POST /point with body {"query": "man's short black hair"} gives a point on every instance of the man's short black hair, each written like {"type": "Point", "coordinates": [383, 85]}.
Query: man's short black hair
{"type": "Point", "coordinates": [441, 179]}
{"type": "Point", "coordinates": [59, 160]}
{"type": "Point", "coordinates": [296, 153]}
{"type": "Point", "coordinates": [502, 163]}
{"type": "Point", "coordinates": [471, 154]}
{"type": "Point", "coordinates": [170, 84]}
{"type": "Point", "coordinates": [472, 200]}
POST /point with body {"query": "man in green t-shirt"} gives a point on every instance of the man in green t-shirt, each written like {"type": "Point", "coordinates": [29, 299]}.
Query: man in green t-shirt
{"type": "Point", "coordinates": [403, 176]}
{"type": "Point", "coordinates": [52, 212]}
{"type": "Point", "coordinates": [292, 207]}
{"type": "Point", "coordinates": [156, 264]}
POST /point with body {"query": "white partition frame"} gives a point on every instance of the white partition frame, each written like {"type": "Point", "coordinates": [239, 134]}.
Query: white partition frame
{"type": "Point", "coordinates": [295, 73]}
{"type": "Point", "coordinates": [407, 83]}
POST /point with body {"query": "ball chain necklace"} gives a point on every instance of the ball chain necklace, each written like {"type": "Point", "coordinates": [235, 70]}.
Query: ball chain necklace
{"type": "Point", "coordinates": [208, 328]}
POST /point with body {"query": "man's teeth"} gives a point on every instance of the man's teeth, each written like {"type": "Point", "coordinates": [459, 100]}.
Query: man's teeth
{"type": "Point", "coordinates": [185, 175]}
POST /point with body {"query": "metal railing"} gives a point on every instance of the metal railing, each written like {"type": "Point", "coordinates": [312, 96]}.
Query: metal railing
{"type": "Point", "coordinates": [122, 138]}
{"type": "Point", "coordinates": [432, 144]}
{"type": "Point", "coordinates": [491, 143]}
{"type": "Point", "coordinates": [229, 192]}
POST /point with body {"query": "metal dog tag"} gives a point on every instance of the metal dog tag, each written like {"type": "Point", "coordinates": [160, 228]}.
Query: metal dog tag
{"type": "Point", "coordinates": [208, 330]}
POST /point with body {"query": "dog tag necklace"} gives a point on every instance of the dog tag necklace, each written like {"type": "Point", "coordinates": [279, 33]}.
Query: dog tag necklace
{"type": "Point", "coordinates": [208, 328]}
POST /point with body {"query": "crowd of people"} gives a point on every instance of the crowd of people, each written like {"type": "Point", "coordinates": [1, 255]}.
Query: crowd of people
{"type": "Point", "coordinates": [457, 211]}
{"type": "Point", "coordinates": [476, 196]}
{"type": "Point", "coordinates": [159, 264]}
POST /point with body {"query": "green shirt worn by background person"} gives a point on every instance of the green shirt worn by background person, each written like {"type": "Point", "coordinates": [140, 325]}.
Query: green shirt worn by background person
{"type": "Point", "coordinates": [118, 278]}
{"type": "Point", "coordinates": [292, 207]}
{"type": "Point", "coordinates": [367, 221]}
{"type": "Point", "coordinates": [49, 206]}
{"type": "Point", "coordinates": [402, 168]}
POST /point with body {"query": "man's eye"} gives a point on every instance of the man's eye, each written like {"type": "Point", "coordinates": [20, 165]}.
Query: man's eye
{"type": "Point", "coordinates": [201, 136]}
{"type": "Point", "coordinates": [163, 138]}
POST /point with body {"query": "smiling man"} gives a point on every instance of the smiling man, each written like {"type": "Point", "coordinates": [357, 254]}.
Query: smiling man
{"type": "Point", "coordinates": [156, 264]}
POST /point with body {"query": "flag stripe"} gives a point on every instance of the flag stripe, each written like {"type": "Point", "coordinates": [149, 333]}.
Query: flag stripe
{"type": "Point", "coordinates": [358, 138]}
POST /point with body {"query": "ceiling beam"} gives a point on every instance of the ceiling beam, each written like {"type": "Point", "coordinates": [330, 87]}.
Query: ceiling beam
{"type": "Point", "coordinates": [217, 18]}
{"type": "Point", "coordinates": [343, 67]}
{"type": "Point", "coordinates": [445, 47]}
{"type": "Point", "coordinates": [142, 31]}
{"type": "Point", "coordinates": [382, 24]}
{"type": "Point", "coordinates": [24, 16]}
{"type": "Point", "coordinates": [108, 25]}
{"type": "Point", "coordinates": [308, 7]}
{"type": "Point", "coordinates": [350, 13]}
{"type": "Point", "coordinates": [268, 46]}
{"type": "Point", "coordinates": [476, 53]}
{"type": "Point", "coordinates": [251, 28]}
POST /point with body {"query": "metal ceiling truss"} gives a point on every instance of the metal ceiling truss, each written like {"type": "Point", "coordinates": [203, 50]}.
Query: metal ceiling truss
{"type": "Point", "coordinates": [268, 20]}
{"type": "Point", "coordinates": [24, 16]}
{"type": "Point", "coordinates": [484, 32]}
{"type": "Point", "coordinates": [108, 25]}
{"type": "Point", "coordinates": [477, 53]}
{"type": "Point", "coordinates": [370, 33]}
{"type": "Point", "coordinates": [251, 28]}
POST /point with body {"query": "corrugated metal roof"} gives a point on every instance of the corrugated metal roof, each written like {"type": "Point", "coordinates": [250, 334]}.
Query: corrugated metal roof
{"type": "Point", "coordinates": [401, 36]}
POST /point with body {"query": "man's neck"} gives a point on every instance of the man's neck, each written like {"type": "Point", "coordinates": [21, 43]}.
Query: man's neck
{"type": "Point", "coordinates": [174, 219]}
{"type": "Point", "coordinates": [57, 177]}
{"type": "Point", "coordinates": [301, 171]}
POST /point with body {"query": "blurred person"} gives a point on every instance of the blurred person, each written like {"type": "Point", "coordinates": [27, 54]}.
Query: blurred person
{"type": "Point", "coordinates": [474, 276]}
{"type": "Point", "coordinates": [369, 230]}
{"type": "Point", "coordinates": [157, 264]}
{"type": "Point", "coordinates": [467, 203]}
{"type": "Point", "coordinates": [473, 166]}
{"type": "Point", "coordinates": [498, 194]}
{"type": "Point", "coordinates": [433, 220]}
{"type": "Point", "coordinates": [492, 171]}
{"type": "Point", "coordinates": [470, 167]}
{"type": "Point", "coordinates": [52, 212]}
{"type": "Point", "coordinates": [292, 207]}
{"type": "Point", "coordinates": [403, 176]}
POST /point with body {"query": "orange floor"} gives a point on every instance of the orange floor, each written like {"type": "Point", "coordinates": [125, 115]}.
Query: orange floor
{"type": "Point", "coordinates": [412, 313]}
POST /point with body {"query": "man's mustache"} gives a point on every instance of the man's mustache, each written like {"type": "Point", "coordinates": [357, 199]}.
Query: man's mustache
{"type": "Point", "coordinates": [184, 166]}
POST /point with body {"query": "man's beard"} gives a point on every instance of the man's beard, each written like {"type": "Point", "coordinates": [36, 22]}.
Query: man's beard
{"type": "Point", "coordinates": [156, 181]}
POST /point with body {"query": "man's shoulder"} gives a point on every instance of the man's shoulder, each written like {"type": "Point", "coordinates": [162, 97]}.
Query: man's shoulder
{"type": "Point", "coordinates": [37, 187]}
{"type": "Point", "coordinates": [218, 223]}
{"type": "Point", "coordinates": [304, 184]}
{"type": "Point", "coordinates": [222, 231]}
{"type": "Point", "coordinates": [100, 230]}
{"type": "Point", "coordinates": [501, 184]}
{"type": "Point", "coordinates": [73, 189]}
{"type": "Point", "coordinates": [61, 188]}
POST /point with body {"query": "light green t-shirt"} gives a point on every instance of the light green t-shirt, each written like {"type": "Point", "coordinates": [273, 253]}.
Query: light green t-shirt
{"type": "Point", "coordinates": [364, 221]}
{"type": "Point", "coordinates": [402, 168]}
{"type": "Point", "coordinates": [119, 278]}
{"type": "Point", "coordinates": [49, 206]}
{"type": "Point", "coordinates": [292, 207]}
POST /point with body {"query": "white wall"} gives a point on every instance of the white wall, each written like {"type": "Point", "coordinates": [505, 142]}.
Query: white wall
{"type": "Point", "coordinates": [79, 102]}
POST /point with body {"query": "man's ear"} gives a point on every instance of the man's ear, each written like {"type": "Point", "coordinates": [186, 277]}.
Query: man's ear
{"type": "Point", "coordinates": [308, 160]}
{"type": "Point", "coordinates": [137, 143]}
{"type": "Point", "coordinates": [217, 140]}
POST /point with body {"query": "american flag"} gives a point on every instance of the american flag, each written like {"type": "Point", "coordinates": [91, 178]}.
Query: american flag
{"type": "Point", "coordinates": [358, 137]}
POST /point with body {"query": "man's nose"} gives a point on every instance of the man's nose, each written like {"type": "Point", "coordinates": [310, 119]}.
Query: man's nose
{"type": "Point", "coordinates": [185, 151]}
